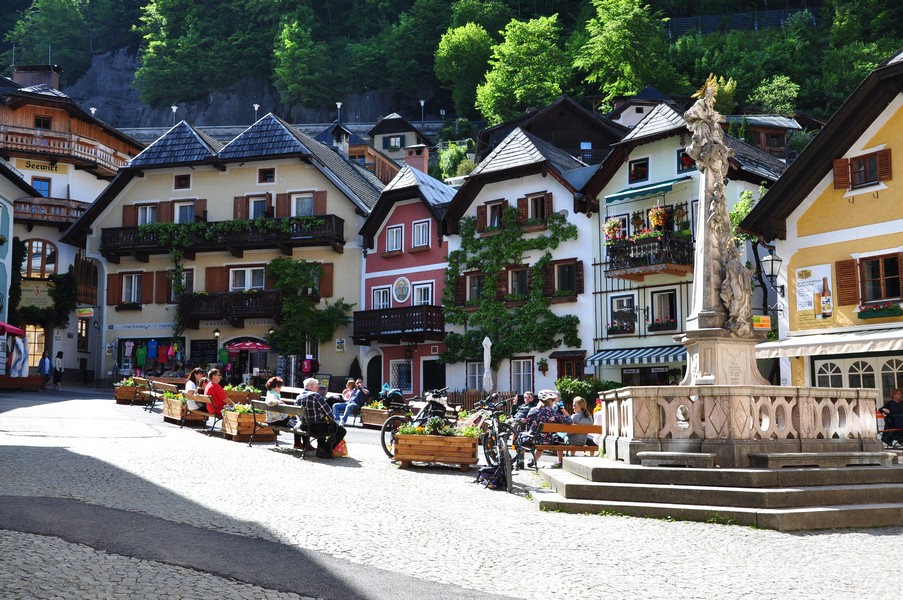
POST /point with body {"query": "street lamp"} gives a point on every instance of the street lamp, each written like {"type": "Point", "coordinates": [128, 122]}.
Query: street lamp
{"type": "Point", "coordinates": [771, 268]}
{"type": "Point", "coordinates": [216, 333]}
{"type": "Point", "coordinates": [422, 102]}
{"type": "Point", "coordinates": [174, 109]}
{"type": "Point", "coordinates": [442, 114]}
{"type": "Point", "coordinates": [93, 111]}
{"type": "Point", "coordinates": [256, 106]}
{"type": "Point", "coordinates": [338, 108]}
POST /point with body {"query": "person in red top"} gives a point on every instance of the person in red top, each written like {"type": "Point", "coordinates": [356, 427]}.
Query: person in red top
{"type": "Point", "coordinates": [217, 394]}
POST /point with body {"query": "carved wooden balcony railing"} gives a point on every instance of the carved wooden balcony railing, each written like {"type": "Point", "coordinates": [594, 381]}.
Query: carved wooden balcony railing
{"type": "Point", "coordinates": [325, 230]}
{"type": "Point", "coordinates": [232, 306]}
{"type": "Point", "coordinates": [397, 325]}
{"type": "Point", "coordinates": [47, 144]}
{"type": "Point", "coordinates": [635, 259]}
{"type": "Point", "coordinates": [48, 211]}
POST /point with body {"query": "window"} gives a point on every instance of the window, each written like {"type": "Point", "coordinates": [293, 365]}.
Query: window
{"type": "Point", "coordinates": [303, 205]}
{"type": "Point", "coordinates": [381, 298]}
{"type": "Point", "coordinates": [684, 162]}
{"type": "Point", "coordinates": [267, 175]}
{"type": "Point", "coordinates": [396, 142]}
{"type": "Point", "coordinates": [861, 171]}
{"type": "Point", "coordinates": [638, 110]}
{"type": "Point", "coordinates": [664, 310]}
{"type": "Point", "coordinates": [187, 285]}
{"type": "Point", "coordinates": [638, 170]}
{"type": "Point", "coordinates": [423, 294]}
{"type": "Point", "coordinates": [586, 151]}
{"type": "Point", "coordinates": [623, 317]}
{"type": "Point", "coordinates": [537, 208]}
{"type": "Point", "coordinates": [566, 277]}
{"type": "Point", "coordinates": [474, 287]}
{"type": "Point", "coordinates": [182, 182]}
{"type": "Point", "coordinates": [41, 186]}
{"type": "Point", "coordinates": [891, 376]}
{"type": "Point", "coordinates": [421, 234]}
{"type": "Point", "coordinates": [495, 214]}
{"type": "Point", "coordinates": [36, 337]}
{"type": "Point", "coordinates": [81, 343]}
{"type": "Point", "coordinates": [394, 238]}
{"type": "Point", "coordinates": [475, 375]}
{"type": "Point", "coordinates": [864, 170]}
{"type": "Point", "coordinates": [147, 214]}
{"type": "Point", "coordinates": [251, 278]}
{"type": "Point", "coordinates": [184, 212]}
{"type": "Point", "coordinates": [131, 288]}
{"type": "Point", "coordinates": [257, 207]}
{"type": "Point", "coordinates": [517, 284]}
{"type": "Point", "coordinates": [400, 375]}
{"type": "Point", "coordinates": [880, 278]}
{"type": "Point", "coordinates": [775, 140]}
{"type": "Point", "coordinates": [862, 375]}
{"type": "Point", "coordinates": [522, 374]}
{"type": "Point", "coordinates": [41, 122]}
{"type": "Point", "coordinates": [829, 375]}
{"type": "Point", "coordinates": [40, 261]}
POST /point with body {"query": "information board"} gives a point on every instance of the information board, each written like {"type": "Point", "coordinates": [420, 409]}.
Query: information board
{"type": "Point", "coordinates": [203, 352]}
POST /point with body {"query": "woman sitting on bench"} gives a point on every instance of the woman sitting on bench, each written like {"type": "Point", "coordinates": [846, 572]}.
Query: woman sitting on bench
{"type": "Point", "coordinates": [580, 416]}
{"type": "Point", "coordinates": [191, 389]}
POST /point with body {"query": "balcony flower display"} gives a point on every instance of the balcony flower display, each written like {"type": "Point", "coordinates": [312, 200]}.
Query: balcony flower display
{"type": "Point", "coordinates": [617, 327]}
{"type": "Point", "coordinates": [658, 215]}
{"type": "Point", "coordinates": [637, 219]}
{"type": "Point", "coordinates": [882, 309]}
{"type": "Point", "coordinates": [662, 324]}
{"type": "Point", "coordinates": [612, 229]}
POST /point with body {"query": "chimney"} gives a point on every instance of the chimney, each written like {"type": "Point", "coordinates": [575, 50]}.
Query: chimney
{"type": "Point", "coordinates": [418, 157]}
{"type": "Point", "coordinates": [29, 75]}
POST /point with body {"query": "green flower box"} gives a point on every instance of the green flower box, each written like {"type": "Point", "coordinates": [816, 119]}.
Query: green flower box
{"type": "Point", "coordinates": [881, 314]}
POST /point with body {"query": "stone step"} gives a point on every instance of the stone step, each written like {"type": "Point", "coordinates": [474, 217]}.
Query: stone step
{"type": "Point", "coordinates": [781, 519]}
{"type": "Point", "coordinates": [783, 460]}
{"type": "Point", "coordinates": [605, 470]}
{"type": "Point", "coordinates": [574, 487]}
{"type": "Point", "coordinates": [698, 460]}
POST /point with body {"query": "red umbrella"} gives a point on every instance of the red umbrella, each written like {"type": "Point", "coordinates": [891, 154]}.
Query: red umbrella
{"type": "Point", "coordinates": [249, 346]}
{"type": "Point", "coordinates": [13, 330]}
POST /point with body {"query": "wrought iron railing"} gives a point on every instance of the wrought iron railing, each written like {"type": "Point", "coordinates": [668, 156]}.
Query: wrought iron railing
{"type": "Point", "coordinates": [425, 319]}
{"type": "Point", "coordinates": [230, 305]}
{"type": "Point", "coordinates": [666, 248]}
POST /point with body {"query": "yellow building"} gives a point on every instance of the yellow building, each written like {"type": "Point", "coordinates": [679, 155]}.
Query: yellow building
{"type": "Point", "coordinates": [270, 192]}
{"type": "Point", "coordinates": [835, 219]}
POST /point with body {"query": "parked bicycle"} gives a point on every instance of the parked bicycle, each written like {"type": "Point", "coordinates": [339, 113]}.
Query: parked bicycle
{"type": "Point", "coordinates": [497, 441]}
{"type": "Point", "coordinates": [400, 414]}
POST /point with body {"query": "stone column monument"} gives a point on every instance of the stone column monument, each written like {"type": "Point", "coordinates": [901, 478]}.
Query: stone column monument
{"type": "Point", "coordinates": [719, 337]}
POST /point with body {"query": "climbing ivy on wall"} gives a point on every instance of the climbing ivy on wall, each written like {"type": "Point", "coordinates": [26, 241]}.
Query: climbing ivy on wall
{"type": "Point", "coordinates": [528, 327]}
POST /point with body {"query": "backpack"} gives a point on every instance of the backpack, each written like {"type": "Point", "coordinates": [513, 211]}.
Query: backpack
{"type": "Point", "coordinates": [492, 477]}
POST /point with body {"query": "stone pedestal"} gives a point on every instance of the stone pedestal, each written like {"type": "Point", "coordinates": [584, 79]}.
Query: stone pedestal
{"type": "Point", "coordinates": [715, 357]}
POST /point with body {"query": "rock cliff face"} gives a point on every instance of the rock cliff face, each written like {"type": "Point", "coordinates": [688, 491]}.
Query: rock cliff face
{"type": "Point", "coordinates": [107, 86]}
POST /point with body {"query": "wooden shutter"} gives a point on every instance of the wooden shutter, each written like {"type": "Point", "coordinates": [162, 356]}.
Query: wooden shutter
{"type": "Point", "coordinates": [165, 212]}
{"type": "Point", "coordinates": [200, 209]}
{"type": "Point", "coordinates": [522, 210]}
{"type": "Point", "coordinates": [385, 142]}
{"type": "Point", "coordinates": [847, 282]}
{"type": "Point", "coordinates": [548, 204]}
{"type": "Point", "coordinates": [460, 290]}
{"type": "Point", "coordinates": [884, 170]}
{"type": "Point", "coordinates": [147, 287]}
{"type": "Point", "coordinates": [269, 205]}
{"type": "Point", "coordinates": [578, 277]}
{"type": "Point", "coordinates": [283, 205]}
{"type": "Point", "coordinates": [320, 202]}
{"type": "Point", "coordinates": [481, 218]}
{"type": "Point", "coordinates": [129, 215]}
{"type": "Point", "coordinates": [326, 277]}
{"type": "Point", "coordinates": [114, 289]}
{"type": "Point", "coordinates": [548, 284]}
{"type": "Point", "coordinates": [401, 140]}
{"type": "Point", "coordinates": [161, 288]}
{"type": "Point", "coordinates": [240, 207]}
{"type": "Point", "coordinates": [841, 174]}
{"type": "Point", "coordinates": [216, 279]}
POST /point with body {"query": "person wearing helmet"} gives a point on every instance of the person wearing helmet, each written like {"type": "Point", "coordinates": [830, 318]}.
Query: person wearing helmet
{"type": "Point", "coordinates": [551, 410]}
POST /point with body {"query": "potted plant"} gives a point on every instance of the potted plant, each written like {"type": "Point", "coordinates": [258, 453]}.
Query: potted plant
{"type": "Point", "coordinates": [238, 424]}
{"type": "Point", "coordinates": [543, 366]}
{"type": "Point", "coordinates": [374, 414]}
{"type": "Point", "coordinates": [612, 229]}
{"type": "Point", "coordinates": [436, 441]}
{"type": "Point", "coordinates": [125, 391]}
{"type": "Point", "coordinates": [636, 219]}
{"type": "Point", "coordinates": [879, 310]}
{"type": "Point", "coordinates": [241, 393]}
{"type": "Point", "coordinates": [658, 215]}
{"type": "Point", "coordinates": [175, 410]}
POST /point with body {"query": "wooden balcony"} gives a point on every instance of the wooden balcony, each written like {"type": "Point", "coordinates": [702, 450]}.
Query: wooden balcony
{"type": "Point", "coordinates": [48, 211]}
{"type": "Point", "coordinates": [232, 306]}
{"type": "Point", "coordinates": [399, 325]}
{"type": "Point", "coordinates": [667, 254]}
{"type": "Point", "coordinates": [60, 146]}
{"type": "Point", "coordinates": [326, 230]}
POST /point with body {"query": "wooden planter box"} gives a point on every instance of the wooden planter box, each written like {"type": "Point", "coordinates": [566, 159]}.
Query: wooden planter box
{"type": "Point", "coordinates": [239, 397]}
{"type": "Point", "coordinates": [373, 417]}
{"type": "Point", "coordinates": [175, 410]}
{"type": "Point", "coordinates": [125, 394]}
{"type": "Point", "coordinates": [880, 314]}
{"type": "Point", "coordinates": [455, 450]}
{"type": "Point", "coordinates": [239, 427]}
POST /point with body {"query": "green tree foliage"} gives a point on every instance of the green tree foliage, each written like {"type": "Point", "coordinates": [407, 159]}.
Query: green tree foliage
{"type": "Point", "coordinates": [491, 15]}
{"type": "Point", "coordinates": [724, 101]}
{"type": "Point", "coordinates": [776, 95]}
{"type": "Point", "coordinates": [412, 46]}
{"type": "Point", "coordinates": [300, 60]}
{"type": "Point", "coordinates": [588, 389]}
{"type": "Point", "coordinates": [461, 63]}
{"type": "Point", "coordinates": [450, 158]}
{"type": "Point", "coordinates": [626, 50]}
{"type": "Point", "coordinates": [527, 70]}
{"type": "Point", "coordinates": [301, 318]}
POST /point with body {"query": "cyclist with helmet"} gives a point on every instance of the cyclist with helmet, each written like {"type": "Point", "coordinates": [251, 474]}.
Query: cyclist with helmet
{"type": "Point", "coordinates": [551, 410]}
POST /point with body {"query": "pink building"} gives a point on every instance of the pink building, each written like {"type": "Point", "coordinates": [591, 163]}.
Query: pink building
{"type": "Point", "coordinates": [404, 278]}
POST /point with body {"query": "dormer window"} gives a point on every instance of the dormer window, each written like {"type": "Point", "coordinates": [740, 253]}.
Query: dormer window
{"type": "Point", "coordinates": [862, 171]}
{"type": "Point", "coordinates": [638, 170]}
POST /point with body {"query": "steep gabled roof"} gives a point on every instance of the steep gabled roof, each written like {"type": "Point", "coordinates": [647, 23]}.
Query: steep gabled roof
{"type": "Point", "coordinates": [753, 162]}
{"type": "Point", "coordinates": [660, 122]}
{"type": "Point", "coordinates": [408, 184]}
{"type": "Point", "coordinates": [14, 178]}
{"type": "Point", "coordinates": [769, 217]}
{"type": "Point", "coordinates": [270, 136]}
{"type": "Point", "coordinates": [395, 123]}
{"type": "Point", "coordinates": [327, 135]}
{"type": "Point", "coordinates": [181, 145]}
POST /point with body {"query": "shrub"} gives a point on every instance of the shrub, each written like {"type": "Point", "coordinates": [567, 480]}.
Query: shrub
{"type": "Point", "coordinates": [569, 387]}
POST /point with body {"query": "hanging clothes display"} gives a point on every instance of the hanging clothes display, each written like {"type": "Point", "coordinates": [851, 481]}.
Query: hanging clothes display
{"type": "Point", "coordinates": [129, 347]}
{"type": "Point", "coordinates": [162, 353]}
{"type": "Point", "coordinates": [141, 356]}
{"type": "Point", "coordinates": [152, 349]}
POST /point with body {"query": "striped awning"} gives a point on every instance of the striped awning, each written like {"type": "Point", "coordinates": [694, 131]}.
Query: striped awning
{"type": "Point", "coordinates": [638, 356]}
{"type": "Point", "coordinates": [654, 189]}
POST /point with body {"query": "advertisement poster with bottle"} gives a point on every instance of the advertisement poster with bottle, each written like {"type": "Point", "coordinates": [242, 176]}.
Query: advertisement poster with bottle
{"type": "Point", "coordinates": [814, 297]}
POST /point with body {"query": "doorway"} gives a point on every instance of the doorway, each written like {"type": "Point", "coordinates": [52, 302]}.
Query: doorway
{"type": "Point", "coordinates": [433, 375]}
{"type": "Point", "coordinates": [375, 374]}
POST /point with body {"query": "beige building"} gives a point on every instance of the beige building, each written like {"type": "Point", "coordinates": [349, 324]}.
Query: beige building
{"type": "Point", "coordinates": [270, 192]}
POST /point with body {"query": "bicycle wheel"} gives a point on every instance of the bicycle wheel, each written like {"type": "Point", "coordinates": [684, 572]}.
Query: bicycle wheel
{"type": "Point", "coordinates": [387, 433]}
{"type": "Point", "coordinates": [507, 469]}
{"type": "Point", "coordinates": [490, 442]}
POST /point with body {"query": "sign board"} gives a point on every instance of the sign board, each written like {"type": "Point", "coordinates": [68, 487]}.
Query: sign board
{"type": "Point", "coordinates": [762, 322]}
{"type": "Point", "coordinates": [202, 352]}
{"type": "Point", "coordinates": [41, 166]}
{"type": "Point", "coordinates": [36, 293]}
{"type": "Point", "coordinates": [814, 302]}
{"type": "Point", "coordinates": [324, 380]}
{"type": "Point", "coordinates": [84, 313]}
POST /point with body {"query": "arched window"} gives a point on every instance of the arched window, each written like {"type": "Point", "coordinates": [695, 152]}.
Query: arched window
{"type": "Point", "coordinates": [891, 376]}
{"type": "Point", "coordinates": [829, 375]}
{"type": "Point", "coordinates": [40, 259]}
{"type": "Point", "coordinates": [862, 375]}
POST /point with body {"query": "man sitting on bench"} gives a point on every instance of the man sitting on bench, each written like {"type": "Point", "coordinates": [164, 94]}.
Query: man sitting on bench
{"type": "Point", "coordinates": [893, 419]}
{"type": "Point", "coordinates": [551, 410]}
{"type": "Point", "coordinates": [319, 421]}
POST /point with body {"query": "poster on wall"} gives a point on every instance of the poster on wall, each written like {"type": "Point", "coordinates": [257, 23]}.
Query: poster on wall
{"type": "Point", "coordinates": [814, 297]}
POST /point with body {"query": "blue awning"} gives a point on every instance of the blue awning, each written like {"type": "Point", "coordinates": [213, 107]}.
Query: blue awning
{"type": "Point", "coordinates": [638, 356]}
{"type": "Point", "coordinates": [653, 189]}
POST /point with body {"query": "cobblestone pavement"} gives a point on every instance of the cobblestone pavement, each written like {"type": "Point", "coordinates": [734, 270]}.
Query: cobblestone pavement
{"type": "Point", "coordinates": [432, 523]}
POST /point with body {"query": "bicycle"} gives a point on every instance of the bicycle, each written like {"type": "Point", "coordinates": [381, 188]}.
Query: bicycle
{"type": "Point", "coordinates": [497, 442]}
{"type": "Point", "coordinates": [400, 414]}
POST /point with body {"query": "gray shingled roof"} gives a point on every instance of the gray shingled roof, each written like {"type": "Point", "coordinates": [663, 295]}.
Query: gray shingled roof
{"type": "Point", "coordinates": [269, 136]}
{"type": "Point", "coordinates": [181, 144]}
{"type": "Point", "coordinates": [434, 191]}
{"type": "Point", "coordinates": [44, 89]}
{"type": "Point", "coordinates": [661, 119]}
{"type": "Point", "coordinates": [326, 136]}
{"type": "Point", "coordinates": [777, 121]}
{"type": "Point", "coordinates": [520, 149]}
{"type": "Point", "coordinates": [753, 160]}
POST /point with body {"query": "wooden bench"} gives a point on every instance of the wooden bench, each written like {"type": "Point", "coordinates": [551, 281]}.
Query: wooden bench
{"type": "Point", "coordinates": [32, 382]}
{"type": "Point", "coordinates": [156, 391]}
{"type": "Point", "coordinates": [565, 428]}
{"type": "Point", "coordinates": [143, 391]}
{"type": "Point", "coordinates": [289, 410]}
{"type": "Point", "coordinates": [177, 411]}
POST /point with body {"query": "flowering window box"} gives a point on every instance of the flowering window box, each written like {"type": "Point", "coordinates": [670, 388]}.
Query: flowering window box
{"type": "Point", "coordinates": [621, 329]}
{"type": "Point", "coordinates": [665, 326]}
{"type": "Point", "coordinates": [880, 311]}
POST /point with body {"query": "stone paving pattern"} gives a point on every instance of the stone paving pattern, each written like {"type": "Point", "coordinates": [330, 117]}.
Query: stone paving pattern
{"type": "Point", "coordinates": [432, 523]}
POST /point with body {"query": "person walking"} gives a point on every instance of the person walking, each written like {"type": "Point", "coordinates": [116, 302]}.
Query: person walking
{"type": "Point", "coordinates": [45, 366]}
{"type": "Point", "coordinates": [58, 369]}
